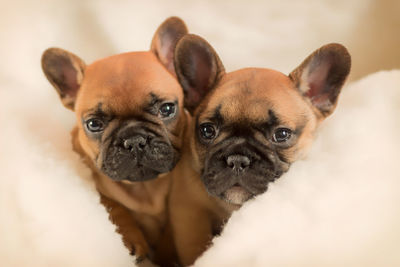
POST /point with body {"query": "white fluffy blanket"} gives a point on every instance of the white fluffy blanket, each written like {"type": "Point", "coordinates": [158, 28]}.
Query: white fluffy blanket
{"type": "Point", "coordinates": [337, 208]}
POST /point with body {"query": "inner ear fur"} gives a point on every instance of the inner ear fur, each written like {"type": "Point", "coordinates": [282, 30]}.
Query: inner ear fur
{"type": "Point", "coordinates": [165, 39]}
{"type": "Point", "coordinates": [198, 69]}
{"type": "Point", "coordinates": [64, 71]}
{"type": "Point", "coordinates": [321, 76]}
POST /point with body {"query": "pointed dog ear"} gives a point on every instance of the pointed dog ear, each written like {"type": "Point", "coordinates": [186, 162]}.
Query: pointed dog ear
{"type": "Point", "coordinates": [64, 71]}
{"type": "Point", "coordinates": [321, 76]}
{"type": "Point", "coordinates": [165, 39]}
{"type": "Point", "coordinates": [198, 68]}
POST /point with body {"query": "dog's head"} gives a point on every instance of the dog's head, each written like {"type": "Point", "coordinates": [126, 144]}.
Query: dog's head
{"type": "Point", "coordinates": [249, 125]}
{"type": "Point", "coordinates": [129, 107]}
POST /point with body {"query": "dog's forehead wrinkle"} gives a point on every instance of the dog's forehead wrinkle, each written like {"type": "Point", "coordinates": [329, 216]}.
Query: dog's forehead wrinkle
{"type": "Point", "coordinates": [97, 110]}
{"type": "Point", "coordinates": [216, 115]}
{"type": "Point", "coordinates": [154, 98]}
{"type": "Point", "coordinates": [127, 79]}
{"type": "Point", "coordinates": [256, 113]}
{"type": "Point", "coordinates": [273, 119]}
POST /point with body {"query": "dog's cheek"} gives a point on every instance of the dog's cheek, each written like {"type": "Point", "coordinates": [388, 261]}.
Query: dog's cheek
{"type": "Point", "coordinates": [179, 129]}
{"type": "Point", "coordinates": [90, 147]}
{"type": "Point", "coordinates": [305, 141]}
{"type": "Point", "coordinates": [197, 154]}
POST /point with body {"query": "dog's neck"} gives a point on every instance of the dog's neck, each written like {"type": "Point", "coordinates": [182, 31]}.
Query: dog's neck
{"type": "Point", "coordinates": [135, 196]}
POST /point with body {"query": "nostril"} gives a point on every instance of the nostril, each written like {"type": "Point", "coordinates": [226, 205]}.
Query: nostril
{"type": "Point", "coordinates": [245, 162]}
{"type": "Point", "coordinates": [238, 162]}
{"type": "Point", "coordinates": [229, 162]}
{"type": "Point", "coordinates": [136, 142]}
{"type": "Point", "coordinates": [141, 142]}
{"type": "Point", "coordinates": [128, 145]}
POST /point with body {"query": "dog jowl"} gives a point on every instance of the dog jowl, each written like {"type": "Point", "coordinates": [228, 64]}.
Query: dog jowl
{"type": "Point", "coordinates": [251, 124]}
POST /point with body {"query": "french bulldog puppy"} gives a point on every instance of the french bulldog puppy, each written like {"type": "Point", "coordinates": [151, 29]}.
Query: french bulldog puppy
{"type": "Point", "coordinates": [130, 125]}
{"type": "Point", "coordinates": [248, 126]}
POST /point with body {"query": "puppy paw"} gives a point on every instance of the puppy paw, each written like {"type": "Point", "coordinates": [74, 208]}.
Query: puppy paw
{"type": "Point", "coordinates": [140, 251]}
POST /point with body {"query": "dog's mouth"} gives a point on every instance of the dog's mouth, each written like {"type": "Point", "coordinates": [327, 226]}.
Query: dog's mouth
{"type": "Point", "coordinates": [237, 188]}
{"type": "Point", "coordinates": [236, 195]}
{"type": "Point", "coordinates": [143, 174]}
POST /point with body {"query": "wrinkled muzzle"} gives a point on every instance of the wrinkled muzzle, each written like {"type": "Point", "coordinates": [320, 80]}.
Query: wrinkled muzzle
{"type": "Point", "coordinates": [236, 173]}
{"type": "Point", "coordinates": [137, 154]}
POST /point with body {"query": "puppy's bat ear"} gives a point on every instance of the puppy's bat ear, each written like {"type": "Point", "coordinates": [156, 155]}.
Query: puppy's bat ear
{"type": "Point", "coordinates": [321, 76]}
{"type": "Point", "coordinates": [198, 68]}
{"type": "Point", "coordinates": [165, 39]}
{"type": "Point", "coordinates": [64, 71]}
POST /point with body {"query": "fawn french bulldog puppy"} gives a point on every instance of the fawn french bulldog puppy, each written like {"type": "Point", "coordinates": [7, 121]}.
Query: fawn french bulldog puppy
{"type": "Point", "coordinates": [248, 126]}
{"type": "Point", "coordinates": [130, 125]}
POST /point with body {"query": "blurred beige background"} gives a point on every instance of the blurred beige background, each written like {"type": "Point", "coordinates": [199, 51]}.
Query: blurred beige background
{"type": "Point", "coordinates": [276, 34]}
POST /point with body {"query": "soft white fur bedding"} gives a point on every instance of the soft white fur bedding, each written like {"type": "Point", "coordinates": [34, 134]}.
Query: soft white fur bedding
{"type": "Point", "coordinates": [339, 207]}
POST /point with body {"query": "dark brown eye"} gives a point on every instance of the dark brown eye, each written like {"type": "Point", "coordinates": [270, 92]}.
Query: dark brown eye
{"type": "Point", "coordinates": [281, 135]}
{"type": "Point", "coordinates": [95, 125]}
{"type": "Point", "coordinates": [167, 110]}
{"type": "Point", "coordinates": [207, 131]}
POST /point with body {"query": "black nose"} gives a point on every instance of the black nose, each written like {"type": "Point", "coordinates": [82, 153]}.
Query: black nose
{"type": "Point", "coordinates": [136, 142]}
{"type": "Point", "coordinates": [238, 162]}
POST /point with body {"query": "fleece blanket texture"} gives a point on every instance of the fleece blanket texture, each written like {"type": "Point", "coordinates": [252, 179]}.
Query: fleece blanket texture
{"type": "Point", "coordinates": [337, 207]}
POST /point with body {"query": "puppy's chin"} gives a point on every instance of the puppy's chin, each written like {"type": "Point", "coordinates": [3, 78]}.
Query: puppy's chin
{"type": "Point", "coordinates": [143, 174]}
{"type": "Point", "coordinates": [137, 173]}
{"type": "Point", "coordinates": [236, 188]}
{"type": "Point", "coordinates": [236, 195]}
